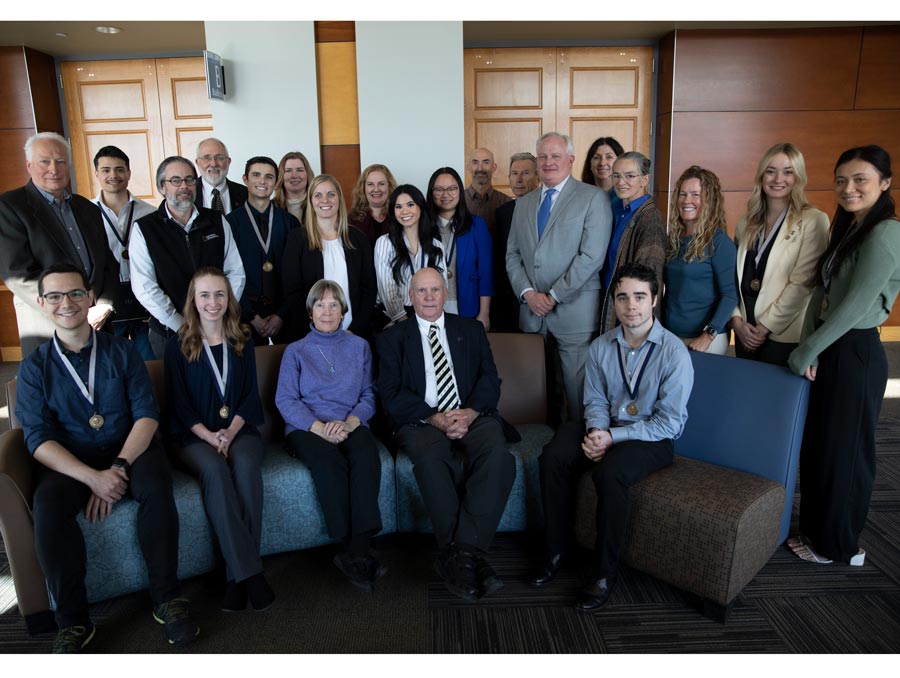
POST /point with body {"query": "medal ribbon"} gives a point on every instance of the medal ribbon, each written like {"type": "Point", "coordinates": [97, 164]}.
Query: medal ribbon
{"type": "Point", "coordinates": [763, 243]}
{"type": "Point", "coordinates": [87, 390]}
{"type": "Point", "coordinates": [221, 377]}
{"type": "Point", "coordinates": [115, 228]}
{"type": "Point", "coordinates": [634, 383]}
{"type": "Point", "coordinates": [264, 245]}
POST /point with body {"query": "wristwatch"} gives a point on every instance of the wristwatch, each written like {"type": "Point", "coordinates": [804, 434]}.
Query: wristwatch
{"type": "Point", "coordinates": [711, 331]}
{"type": "Point", "coordinates": [123, 464]}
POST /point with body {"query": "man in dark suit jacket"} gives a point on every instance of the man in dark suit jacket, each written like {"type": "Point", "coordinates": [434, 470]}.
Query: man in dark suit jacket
{"type": "Point", "coordinates": [42, 224]}
{"type": "Point", "coordinates": [440, 389]}
{"type": "Point", "coordinates": [213, 162]}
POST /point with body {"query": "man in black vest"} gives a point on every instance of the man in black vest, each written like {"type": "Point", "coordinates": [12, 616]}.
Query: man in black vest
{"type": "Point", "coordinates": [168, 246]}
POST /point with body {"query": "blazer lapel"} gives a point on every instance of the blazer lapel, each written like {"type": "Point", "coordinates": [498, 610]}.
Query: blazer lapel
{"type": "Point", "coordinates": [458, 353]}
{"type": "Point", "coordinates": [414, 354]}
{"type": "Point", "coordinates": [564, 197]}
{"type": "Point", "coordinates": [44, 215]}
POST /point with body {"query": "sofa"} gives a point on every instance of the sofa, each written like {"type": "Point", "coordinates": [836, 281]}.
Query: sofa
{"type": "Point", "coordinates": [292, 518]}
{"type": "Point", "coordinates": [710, 521]}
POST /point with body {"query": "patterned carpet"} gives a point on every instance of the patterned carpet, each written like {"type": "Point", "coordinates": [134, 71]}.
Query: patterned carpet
{"type": "Point", "coordinates": [789, 607]}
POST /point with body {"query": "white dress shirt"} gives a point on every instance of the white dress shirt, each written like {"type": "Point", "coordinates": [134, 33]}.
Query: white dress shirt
{"type": "Point", "coordinates": [143, 273]}
{"type": "Point", "coordinates": [141, 209]}
{"type": "Point", "coordinates": [223, 193]}
{"type": "Point", "coordinates": [431, 395]}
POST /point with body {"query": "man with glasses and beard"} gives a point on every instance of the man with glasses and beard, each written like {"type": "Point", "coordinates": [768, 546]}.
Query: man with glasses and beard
{"type": "Point", "coordinates": [168, 246]}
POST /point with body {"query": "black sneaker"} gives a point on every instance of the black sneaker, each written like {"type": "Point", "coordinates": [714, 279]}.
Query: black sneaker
{"type": "Point", "coordinates": [356, 569]}
{"type": "Point", "coordinates": [73, 639]}
{"type": "Point", "coordinates": [176, 617]}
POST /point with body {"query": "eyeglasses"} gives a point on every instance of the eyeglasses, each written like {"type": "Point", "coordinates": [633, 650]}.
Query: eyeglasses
{"type": "Point", "coordinates": [177, 181]}
{"type": "Point", "coordinates": [627, 177]}
{"type": "Point", "coordinates": [57, 297]}
{"type": "Point", "coordinates": [450, 190]}
{"type": "Point", "coordinates": [209, 158]}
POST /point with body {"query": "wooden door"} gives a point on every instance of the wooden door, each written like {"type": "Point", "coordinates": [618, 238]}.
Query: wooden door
{"type": "Point", "coordinates": [512, 96]}
{"type": "Point", "coordinates": [150, 108]}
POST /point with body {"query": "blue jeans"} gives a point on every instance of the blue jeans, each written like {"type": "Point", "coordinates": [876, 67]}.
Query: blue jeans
{"type": "Point", "coordinates": [137, 331]}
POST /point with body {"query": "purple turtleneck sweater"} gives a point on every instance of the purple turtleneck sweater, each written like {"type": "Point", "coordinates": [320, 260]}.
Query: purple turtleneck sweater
{"type": "Point", "coordinates": [325, 377]}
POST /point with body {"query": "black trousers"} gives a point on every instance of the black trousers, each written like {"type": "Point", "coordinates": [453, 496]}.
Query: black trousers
{"type": "Point", "coordinates": [837, 460]}
{"type": "Point", "coordinates": [772, 352]}
{"type": "Point", "coordinates": [562, 462]}
{"type": "Point", "coordinates": [60, 544]}
{"type": "Point", "coordinates": [347, 477]}
{"type": "Point", "coordinates": [464, 483]}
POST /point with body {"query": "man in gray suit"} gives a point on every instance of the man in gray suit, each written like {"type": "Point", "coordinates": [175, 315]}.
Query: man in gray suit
{"type": "Point", "coordinates": [42, 224]}
{"type": "Point", "coordinates": [557, 245]}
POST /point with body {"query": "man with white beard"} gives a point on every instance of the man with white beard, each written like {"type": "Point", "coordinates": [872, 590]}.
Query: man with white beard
{"type": "Point", "coordinates": [215, 191]}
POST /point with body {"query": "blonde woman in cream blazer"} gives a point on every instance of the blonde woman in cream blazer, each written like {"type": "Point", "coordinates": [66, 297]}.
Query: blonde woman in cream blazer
{"type": "Point", "coordinates": [789, 235]}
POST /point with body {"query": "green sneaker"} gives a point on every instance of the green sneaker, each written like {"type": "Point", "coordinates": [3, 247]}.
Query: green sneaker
{"type": "Point", "coordinates": [73, 639]}
{"type": "Point", "coordinates": [176, 617]}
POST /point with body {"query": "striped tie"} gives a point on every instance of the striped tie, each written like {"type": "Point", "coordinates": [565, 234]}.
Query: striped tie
{"type": "Point", "coordinates": [217, 204]}
{"type": "Point", "coordinates": [447, 399]}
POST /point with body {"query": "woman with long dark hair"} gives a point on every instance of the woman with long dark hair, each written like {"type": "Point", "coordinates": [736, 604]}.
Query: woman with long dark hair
{"type": "Point", "coordinates": [598, 164]}
{"type": "Point", "coordinates": [214, 409]}
{"type": "Point", "coordinates": [467, 244]}
{"type": "Point", "coordinates": [841, 353]}
{"type": "Point", "coordinates": [779, 242]}
{"type": "Point", "coordinates": [408, 246]}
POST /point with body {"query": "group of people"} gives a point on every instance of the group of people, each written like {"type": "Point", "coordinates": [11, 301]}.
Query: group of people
{"type": "Point", "coordinates": [619, 295]}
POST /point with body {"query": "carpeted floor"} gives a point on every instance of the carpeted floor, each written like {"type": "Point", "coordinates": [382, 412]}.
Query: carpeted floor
{"type": "Point", "coordinates": [789, 607]}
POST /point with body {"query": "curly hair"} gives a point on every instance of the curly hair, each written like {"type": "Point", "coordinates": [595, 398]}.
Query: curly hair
{"type": "Point", "coordinates": [359, 203]}
{"type": "Point", "coordinates": [710, 218]}
{"type": "Point", "coordinates": [190, 335]}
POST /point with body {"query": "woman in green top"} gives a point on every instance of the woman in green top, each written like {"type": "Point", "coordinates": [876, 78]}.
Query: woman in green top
{"type": "Point", "coordinates": [840, 352]}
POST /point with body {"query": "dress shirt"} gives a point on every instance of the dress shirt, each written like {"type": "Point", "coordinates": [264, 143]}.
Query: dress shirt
{"type": "Point", "coordinates": [141, 209]}
{"type": "Point", "coordinates": [622, 214]}
{"type": "Point", "coordinates": [143, 272]}
{"type": "Point", "coordinates": [51, 406]}
{"type": "Point", "coordinates": [663, 391]}
{"type": "Point", "coordinates": [485, 205]}
{"type": "Point", "coordinates": [431, 394]}
{"type": "Point", "coordinates": [63, 212]}
{"type": "Point", "coordinates": [224, 194]}
{"type": "Point", "coordinates": [395, 297]}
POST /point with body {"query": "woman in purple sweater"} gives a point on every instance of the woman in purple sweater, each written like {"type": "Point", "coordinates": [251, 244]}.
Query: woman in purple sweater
{"type": "Point", "coordinates": [326, 395]}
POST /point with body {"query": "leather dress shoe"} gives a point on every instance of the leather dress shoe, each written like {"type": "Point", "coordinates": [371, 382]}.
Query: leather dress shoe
{"type": "Point", "coordinates": [594, 595]}
{"type": "Point", "coordinates": [547, 572]}
{"type": "Point", "coordinates": [488, 581]}
{"type": "Point", "coordinates": [456, 568]}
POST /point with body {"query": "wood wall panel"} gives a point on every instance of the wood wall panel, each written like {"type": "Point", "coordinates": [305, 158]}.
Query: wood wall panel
{"type": "Point", "coordinates": [505, 137]}
{"type": "Point", "coordinates": [665, 68]}
{"type": "Point", "coordinates": [342, 162]}
{"type": "Point", "coordinates": [12, 170]}
{"type": "Point", "coordinates": [338, 94]}
{"type": "Point", "coordinates": [190, 98]}
{"type": "Point", "coordinates": [753, 70]}
{"type": "Point", "coordinates": [44, 91]}
{"type": "Point", "coordinates": [587, 129]}
{"type": "Point", "coordinates": [879, 68]}
{"type": "Point", "coordinates": [15, 110]}
{"type": "Point", "coordinates": [603, 87]}
{"type": "Point", "coordinates": [137, 146]}
{"type": "Point", "coordinates": [335, 31]}
{"type": "Point", "coordinates": [112, 101]}
{"type": "Point", "coordinates": [731, 144]}
{"type": "Point", "coordinates": [660, 168]}
{"type": "Point", "coordinates": [9, 330]}
{"type": "Point", "coordinates": [188, 138]}
{"type": "Point", "coordinates": [509, 88]}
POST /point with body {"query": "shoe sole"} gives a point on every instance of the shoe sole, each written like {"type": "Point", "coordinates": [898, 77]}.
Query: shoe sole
{"type": "Point", "coordinates": [178, 642]}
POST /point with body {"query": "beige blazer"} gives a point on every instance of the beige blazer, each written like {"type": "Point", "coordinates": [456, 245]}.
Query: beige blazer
{"type": "Point", "coordinates": [789, 279]}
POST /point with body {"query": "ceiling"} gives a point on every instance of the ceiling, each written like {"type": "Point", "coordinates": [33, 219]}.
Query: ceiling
{"type": "Point", "coordinates": [154, 38]}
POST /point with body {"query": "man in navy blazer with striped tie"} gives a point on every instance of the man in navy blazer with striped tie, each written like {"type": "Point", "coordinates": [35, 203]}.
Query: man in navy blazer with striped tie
{"type": "Point", "coordinates": [440, 389]}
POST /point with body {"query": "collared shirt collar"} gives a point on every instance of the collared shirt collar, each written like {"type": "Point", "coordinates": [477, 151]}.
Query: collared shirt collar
{"type": "Point", "coordinates": [49, 197]}
{"type": "Point", "coordinates": [631, 207]}
{"type": "Point", "coordinates": [654, 337]}
{"type": "Point", "coordinates": [99, 200]}
{"type": "Point", "coordinates": [187, 226]}
{"type": "Point", "coordinates": [86, 347]}
{"type": "Point", "coordinates": [559, 187]}
{"type": "Point", "coordinates": [484, 197]}
{"type": "Point", "coordinates": [425, 325]}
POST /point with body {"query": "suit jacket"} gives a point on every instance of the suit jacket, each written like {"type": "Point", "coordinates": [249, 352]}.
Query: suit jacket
{"type": "Point", "coordinates": [474, 268]}
{"type": "Point", "coordinates": [401, 379]}
{"type": "Point", "coordinates": [566, 260]}
{"type": "Point", "coordinates": [302, 267]}
{"type": "Point", "coordinates": [505, 304]}
{"type": "Point", "coordinates": [32, 238]}
{"type": "Point", "coordinates": [790, 275]}
{"type": "Point", "coordinates": [236, 192]}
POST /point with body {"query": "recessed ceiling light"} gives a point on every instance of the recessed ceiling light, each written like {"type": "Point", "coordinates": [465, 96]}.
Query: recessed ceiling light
{"type": "Point", "coordinates": [62, 35]}
{"type": "Point", "coordinates": [111, 30]}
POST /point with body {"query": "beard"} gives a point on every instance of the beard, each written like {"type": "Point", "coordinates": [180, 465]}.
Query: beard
{"type": "Point", "coordinates": [182, 204]}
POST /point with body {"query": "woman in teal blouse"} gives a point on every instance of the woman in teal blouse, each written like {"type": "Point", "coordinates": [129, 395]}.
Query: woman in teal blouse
{"type": "Point", "coordinates": [840, 352]}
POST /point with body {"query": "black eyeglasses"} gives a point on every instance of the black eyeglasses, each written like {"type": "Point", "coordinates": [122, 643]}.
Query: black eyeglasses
{"type": "Point", "coordinates": [177, 181]}
{"type": "Point", "coordinates": [57, 297]}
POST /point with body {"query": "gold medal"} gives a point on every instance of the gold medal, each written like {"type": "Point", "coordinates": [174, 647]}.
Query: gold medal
{"type": "Point", "coordinates": [268, 266]}
{"type": "Point", "coordinates": [449, 275]}
{"type": "Point", "coordinates": [632, 409]}
{"type": "Point", "coordinates": [96, 422]}
{"type": "Point", "coordinates": [824, 304]}
{"type": "Point", "coordinates": [125, 254]}
{"type": "Point", "coordinates": [223, 412]}
{"type": "Point", "coordinates": [754, 285]}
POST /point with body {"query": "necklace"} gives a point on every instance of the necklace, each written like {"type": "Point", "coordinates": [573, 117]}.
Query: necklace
{"type": "Point", "coordinates": [330, 364]}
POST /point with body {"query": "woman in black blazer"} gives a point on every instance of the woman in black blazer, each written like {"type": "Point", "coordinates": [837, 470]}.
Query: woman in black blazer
{"type": "Point", "coordinates": [326, 247]}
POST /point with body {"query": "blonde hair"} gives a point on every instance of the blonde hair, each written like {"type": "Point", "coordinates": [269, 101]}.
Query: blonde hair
{"type": "Point", "coordinates": [312, 221]}
{"type": "Point", "coordinates": [190, 336]}
{"type": "Point", "coordinates": [359, 203]}
{"type": "Point", "coordinates": [710, 218]}
{"type": "Point", "coordinates": [279, 198]}
{"type": "Point", "coordinates": [757, 203]}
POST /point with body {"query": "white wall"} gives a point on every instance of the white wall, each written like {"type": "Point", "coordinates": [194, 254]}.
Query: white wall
{"type": "Point", "coordinates": [272, 103]}
{"type": "Point", "coordinates": [410, 80]}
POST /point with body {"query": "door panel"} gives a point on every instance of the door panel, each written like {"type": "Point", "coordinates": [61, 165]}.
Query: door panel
{"type": "Point", "coordinates": [185, 109]}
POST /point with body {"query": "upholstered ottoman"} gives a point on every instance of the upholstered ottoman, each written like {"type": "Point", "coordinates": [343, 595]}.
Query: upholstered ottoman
{"type": "Point", "coordinates": [704, 528]}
